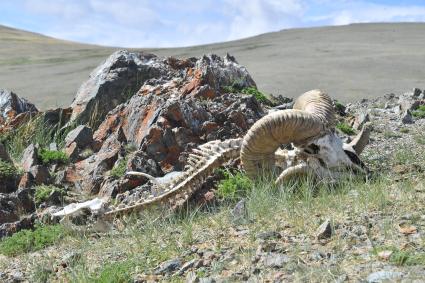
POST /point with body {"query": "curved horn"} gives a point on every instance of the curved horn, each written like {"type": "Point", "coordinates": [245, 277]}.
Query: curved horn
{"type": "Point", "coordinates": [273, 130]}
{"type": "Point", "coordinates": [319, 103]}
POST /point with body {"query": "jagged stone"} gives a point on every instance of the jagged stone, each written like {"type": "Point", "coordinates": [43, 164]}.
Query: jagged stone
{"type": "Point", "coordinates": [57, 117]}
{"type": "Point", "coordinates": [11, 105]}
{"type": "Point", "coordinates": [40, 174]}
{"type": "Point", "coordinates": [406, 117]}
{"type": "Point", "coordinates": [82, 136]}
{"type": "Point", "coordinates": [325, 230]}
{"type": "Point", "coordinates": [7, 229]}
{"type": "Point", "coordinates": [90, 172]}
{"type": "Point", "coordinates": [29, 158]}
{"type": "Point", "coordinates": [362, 118]}
{"type": "Point", "coordinates": [26, 181]}
{"type": "Point", "coordinates": [113, 82]}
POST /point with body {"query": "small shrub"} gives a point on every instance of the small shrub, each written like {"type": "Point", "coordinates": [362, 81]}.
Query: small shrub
{"type": "Point", "coordinates": [419, 113]}
{"type": "Point", "coordinates": [52, 156]}
{"type": "Point", "coordinates": [420, 139]}
{"type": "Point", "coordinates": [390, 134]}
{"type": "Point", "coordinates": [234, 185]}
{"type": "Point", "coordinates": [402, 258]}
{"type": "Point", "coordinates": [119, 169]}
{"type": "Point", "coordinates": [43, 192]}
{"type": "Point", "coordinates": [116, 272]}
{"type": "Point", "coordinates": [345, 128]}
{"type": "Point", "coordinates": [339, 107]}
{"type": "Point", "coordinates": [404, 130]}
{"type": "Point", "coordinates": [257, 94]}
{"type": "Point", "coordinates": [28, 240]}
{"type": "Point", "coordinates": [7, 169]}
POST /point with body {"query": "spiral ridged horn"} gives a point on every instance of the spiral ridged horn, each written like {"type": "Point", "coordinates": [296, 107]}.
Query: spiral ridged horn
{"type": "Point", "coordinates": [318, 103]}
{"type": "Point", "coordinates": [311, 118]}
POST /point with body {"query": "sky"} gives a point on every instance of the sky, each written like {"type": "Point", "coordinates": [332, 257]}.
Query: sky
{"type": "Point", "coordinates": [175, 23]}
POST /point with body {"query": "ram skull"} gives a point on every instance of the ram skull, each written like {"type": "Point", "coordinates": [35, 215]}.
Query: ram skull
{"type": "Point", "coordinates": [309, 128]}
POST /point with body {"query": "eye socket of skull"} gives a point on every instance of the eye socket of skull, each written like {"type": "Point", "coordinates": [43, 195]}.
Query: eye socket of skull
{"type": "Point", "coordinates": [312, 149]}
{"type": "Point", "coordinates": [355, 159]}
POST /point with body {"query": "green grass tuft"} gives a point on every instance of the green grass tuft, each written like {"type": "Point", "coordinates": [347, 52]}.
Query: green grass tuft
{"type": "Point", "coordinates": [35, 131]}
{"type": "Point", "coordinates": [27, 240]}
{"type": "Point", "coordinates": [402, 258]}
{"type": "Point", "coordinates": [52, 156]}
{"type": "Point", "coordinates": [257, 94]}
{"type": "Point", "coordinates": [345, 128]}
{"type": "Point", "coordinates": [43, 192]}
{"type": "Point", "coordinates": [234, 185]}
{"type": "Point", "coordinates": [119, 169]}
{"type": "Point", "coordinates": [7, 170]}
{"type": "Point", "coordinates": [419, 113]}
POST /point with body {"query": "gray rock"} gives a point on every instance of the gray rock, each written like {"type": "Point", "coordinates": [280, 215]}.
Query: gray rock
{"type": "Point", "coordinates": [275, 260]}
{"type": "Point", "coordinates": [239, 211]}
{"type": "Point", "coordinates": [113, 82]}
{"type": "Point", "coordinates": [416, 92]}
{"type": "Point", "coordinates": [406, 117]}
{"type": "Point", "coordinates": [10, 102]}
{"type": "Point", "coordinates": [40, 174]}
{"type": "Point", "coordinates": [382, 275]}
{"type": "Point", "coordinates": [53, 146]}
{"type": "Point", "coordinates": [362, 118]}
{"type": "Point", "coordinates": [81, 135]}
{"type": "Point", "coordinates": [168, 267]}
{"type": "Point", "coordinates": [325, 230]}
{"type": "Point", "coordinates": [186, 266]}
{"type": "Point", "coordinates": [29, 158]}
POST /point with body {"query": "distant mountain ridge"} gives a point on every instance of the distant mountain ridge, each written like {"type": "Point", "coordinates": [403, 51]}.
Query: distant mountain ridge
{"type": "Point", "coordinates": [350, 62]}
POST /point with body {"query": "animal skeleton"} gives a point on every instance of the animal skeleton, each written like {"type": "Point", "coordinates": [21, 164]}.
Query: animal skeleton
{"type": "Point", "coordinates": [309, 127]}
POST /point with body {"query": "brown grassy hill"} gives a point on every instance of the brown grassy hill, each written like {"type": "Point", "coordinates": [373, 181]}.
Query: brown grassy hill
{"type": "Point", "coordinates": [350, 62]}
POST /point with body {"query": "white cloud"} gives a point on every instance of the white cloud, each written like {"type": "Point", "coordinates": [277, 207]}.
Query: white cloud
{"type": "Point", "coordinates": [150, 23]}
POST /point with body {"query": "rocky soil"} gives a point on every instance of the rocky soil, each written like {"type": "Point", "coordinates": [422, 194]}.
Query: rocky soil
{"type": "Point", "coordinates": [144, 113]}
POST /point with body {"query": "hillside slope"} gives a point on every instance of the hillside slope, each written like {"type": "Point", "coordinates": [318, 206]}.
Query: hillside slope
{"type": "Point", "coordinates": [350, 62]}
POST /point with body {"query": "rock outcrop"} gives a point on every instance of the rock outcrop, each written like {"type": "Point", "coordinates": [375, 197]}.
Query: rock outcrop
{"type": "Point", "coordinates": [11, 105]}
{"type": "Point", "coordinates": [181, 105]}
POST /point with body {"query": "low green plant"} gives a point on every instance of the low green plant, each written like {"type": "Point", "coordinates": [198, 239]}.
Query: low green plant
{"type": "Point", "coordinates": [345, 128]}
{"type": "Point", "coordinates": [402, 258]}
{"type": "Point", "coordinates": [234, 185]}
{"type": "Point", "coordinates": [339, 107]}
{"type": "Point", "coordinates": [42, 193]}
{"type": "Point", "coordinates": [7, 169]}
{"type": "Point", "coordinates": [119, 169]}
{"type": "Point", "coordinates": [34, 131]}
{"type": "Point", "coordinates": [31, 240]}
{"type": "Point", "coordinates": [404, 130]}
{"type": "Point", "coordinates": [420, 112]}
{"type": "Point", "coordinates": [257, 94]}
{"type": "Point", "coordinates": [52, 156]}
{"type": "Point", "coordinates": [236, 88]}
{"type": "Point", "coordinates": [391, 134]}
{"type": "Point", "coordinates": [420, 139]}
{"type": "Point", "coordinates": [115, 272]}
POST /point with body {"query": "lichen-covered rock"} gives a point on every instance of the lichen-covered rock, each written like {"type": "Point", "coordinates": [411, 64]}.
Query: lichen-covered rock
{"type": "Point", "coordinates": [113, 82]}
{"type": "Point", "coordinates": [180, 105]}
{"type": "Point", "coordinates": [89, 173]}
{"type": "Point", "coordinates": [29, 158]}
{"type": "Point", "coordinates": [11, 105]}
{"type": "Point", "coordinates": [81, 135]}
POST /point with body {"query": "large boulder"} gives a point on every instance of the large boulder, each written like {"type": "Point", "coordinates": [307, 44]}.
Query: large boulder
{"type": "Point", "coordinates": [11, 105]}
{"type": "Point", "coordinates": [113, 82]}
{"type": "Point", "coordinates": [181, 104]}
